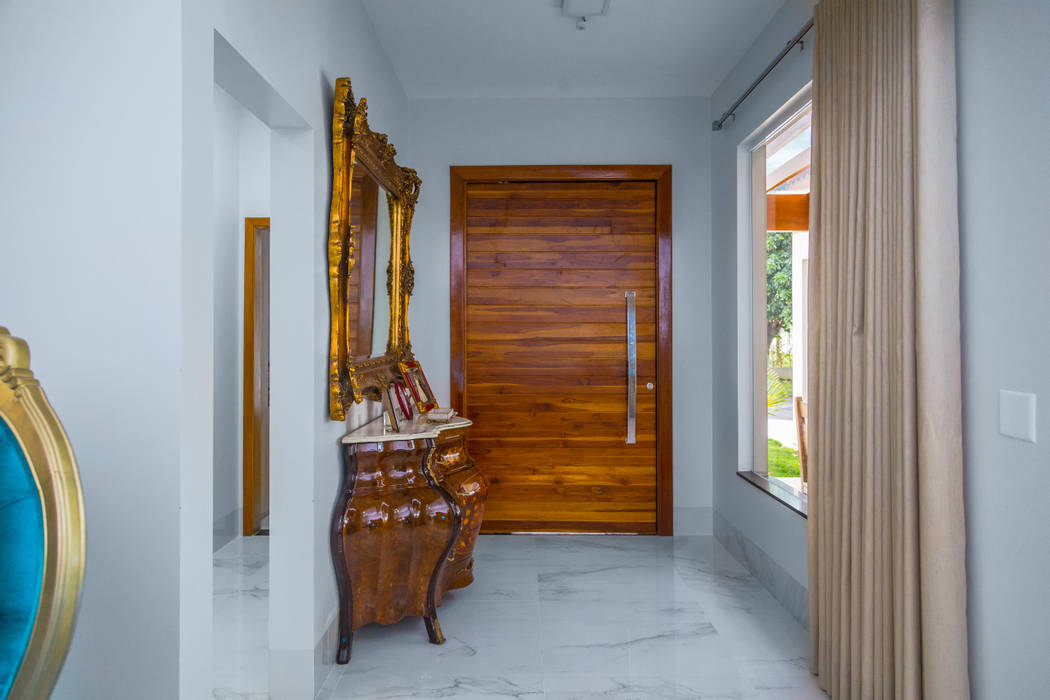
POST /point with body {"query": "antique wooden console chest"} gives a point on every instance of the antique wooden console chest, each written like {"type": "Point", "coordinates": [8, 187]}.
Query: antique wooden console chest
{"type": "Point", "coordinates": [405, 524]}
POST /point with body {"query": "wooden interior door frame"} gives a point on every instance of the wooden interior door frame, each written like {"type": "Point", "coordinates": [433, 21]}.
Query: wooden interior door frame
{"type": "Point", "coordinates": [249, 477]}
{"type": "Point", "coordinates": [462, 176]}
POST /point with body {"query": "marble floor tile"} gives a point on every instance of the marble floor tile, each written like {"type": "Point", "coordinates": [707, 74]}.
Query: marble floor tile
{"type": "Point", "coordinates": [508, 583]}
{"type": "Point", "coordinates": [241, 583]}
{"type": "Point", "coordinates": [557, 618]}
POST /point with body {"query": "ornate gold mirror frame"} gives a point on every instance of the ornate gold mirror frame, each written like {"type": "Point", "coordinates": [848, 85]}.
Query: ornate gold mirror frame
{"type": "Point", "coordinates": [352, 378]}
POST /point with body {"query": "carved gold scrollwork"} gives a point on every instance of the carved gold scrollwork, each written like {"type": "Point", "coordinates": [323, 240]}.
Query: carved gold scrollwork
{"type": "Point", "coordinates": [408, 277]}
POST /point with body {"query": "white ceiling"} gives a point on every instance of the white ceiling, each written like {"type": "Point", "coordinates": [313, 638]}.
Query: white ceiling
{"type": "Point", "coordinates": [527, 48]}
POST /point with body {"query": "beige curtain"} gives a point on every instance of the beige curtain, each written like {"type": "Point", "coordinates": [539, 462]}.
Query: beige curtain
{"type": "Point", "coordinates": [886, 529]}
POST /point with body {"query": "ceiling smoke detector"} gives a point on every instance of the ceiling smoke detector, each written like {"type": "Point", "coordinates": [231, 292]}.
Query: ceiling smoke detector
{"type": "Point", "coordinates": [583, 10]}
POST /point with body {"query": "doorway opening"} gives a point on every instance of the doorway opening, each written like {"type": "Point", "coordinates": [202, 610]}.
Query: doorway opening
{"type": "Point", "coordinates": [241, 447]}
{"type": "Point", "coordinates": [264, 164]}
{"type": "Point", "coordinates": [255, 494]}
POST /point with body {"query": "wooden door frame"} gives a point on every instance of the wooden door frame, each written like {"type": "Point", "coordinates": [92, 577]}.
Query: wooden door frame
{"type": "Point", "coordinates": [248, 407]}
{"type": "Point", "coordinates": [461, 176]}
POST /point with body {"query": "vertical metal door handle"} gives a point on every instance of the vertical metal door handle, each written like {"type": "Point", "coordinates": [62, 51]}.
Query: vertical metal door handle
{"type": "Point", "coordinates": [632, 370]}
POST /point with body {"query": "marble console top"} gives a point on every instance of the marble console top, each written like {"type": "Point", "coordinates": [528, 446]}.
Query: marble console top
{"type": "Point", "coordinates": [416, 429]}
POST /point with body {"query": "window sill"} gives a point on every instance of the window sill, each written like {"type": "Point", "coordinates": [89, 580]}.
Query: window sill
{"type": "Point", "coordinates": [791, 498]}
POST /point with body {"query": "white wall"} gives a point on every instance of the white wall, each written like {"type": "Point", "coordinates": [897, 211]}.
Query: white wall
{"type": "Point", "coordinates": [1003, 67]}
{"type": "Point", "coordinates": [226, 199]}
{"type": "Point", "coordinates": [241, 187]}
{"type": "Point", "coordinates": [772, 526]}
{"type": "Point", "coordinates": [90, 238]}
{"type": "Point", "coordinates": [579, 131]}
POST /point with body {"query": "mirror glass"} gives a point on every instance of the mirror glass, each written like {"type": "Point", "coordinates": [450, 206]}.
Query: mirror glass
{"type": "Point", "coordinates": [381, 306]}
{"type": "Point", "coordinates": [369, 305]}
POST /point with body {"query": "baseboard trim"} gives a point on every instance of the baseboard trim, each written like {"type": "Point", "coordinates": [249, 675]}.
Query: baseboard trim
{"type": "Point", "coordinates": [791, 594]}
{"type": "Point", "coordinates": [302, 673]}
{"type": "Point", "coordinates": [225, 529]}
{"type": "Point", "coordinates": [693, 520]}
{"type": "Point", "coordinates": [291, 674]}
{"type": "Point", "coordinates": [324, 655]}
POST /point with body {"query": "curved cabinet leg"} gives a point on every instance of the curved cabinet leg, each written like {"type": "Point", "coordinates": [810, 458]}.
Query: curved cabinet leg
{"type": "Point", "coordinates": [346, 643]}
{"type": "Point", "coordinates": [342, 576]}
{"type": "Point", "coordinates": [456, 473]}
{"type": "Point", "coordinates": [433, 626]}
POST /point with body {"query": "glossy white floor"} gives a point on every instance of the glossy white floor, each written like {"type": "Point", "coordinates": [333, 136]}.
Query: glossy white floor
{"type": "Point", "coordinates": [241, 619]}
{"type": "Point", "coordinates": [551, 617]}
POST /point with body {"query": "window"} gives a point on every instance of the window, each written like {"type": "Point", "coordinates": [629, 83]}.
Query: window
{"type": "Point", "coordinates": [774, 298]}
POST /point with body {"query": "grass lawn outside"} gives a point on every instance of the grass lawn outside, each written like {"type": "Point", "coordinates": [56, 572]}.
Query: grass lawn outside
{"type": "Point", "coordinates": [783, 461]}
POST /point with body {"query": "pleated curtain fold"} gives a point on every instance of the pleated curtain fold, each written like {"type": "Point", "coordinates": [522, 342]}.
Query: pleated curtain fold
{"type": "Point", "coordinates": [886, 527]}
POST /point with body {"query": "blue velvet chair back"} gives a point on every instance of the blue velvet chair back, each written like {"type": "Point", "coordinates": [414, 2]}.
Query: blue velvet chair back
{"type": "Point", "coordinates": [22, 554]}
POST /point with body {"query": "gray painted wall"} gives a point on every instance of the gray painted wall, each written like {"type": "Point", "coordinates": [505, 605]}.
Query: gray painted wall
{"type": "Point", "coordinates": [770, 525]}
{"type": "Point", "coordinates": [1003, 55]}
{"type": "Point", "coordinates": [226, 449]}
{"type": "Point", "coordinates": [587, 131]}
{"type": "Point", "coordinates": [90, 227]}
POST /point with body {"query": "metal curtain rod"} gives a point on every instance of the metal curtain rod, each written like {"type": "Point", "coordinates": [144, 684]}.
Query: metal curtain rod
{"type": "Point", "coordinates": [717, 124]}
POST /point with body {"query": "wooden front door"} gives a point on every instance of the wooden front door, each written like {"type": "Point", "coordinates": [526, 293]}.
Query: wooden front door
{"type": "Point", "coordinates": [256, 454]}
{"type": "Point", "coordinates": [542, 258]}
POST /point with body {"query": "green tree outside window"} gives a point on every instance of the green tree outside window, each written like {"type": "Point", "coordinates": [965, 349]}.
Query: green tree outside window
{"type": "Point", "coordinates": [778, 285]}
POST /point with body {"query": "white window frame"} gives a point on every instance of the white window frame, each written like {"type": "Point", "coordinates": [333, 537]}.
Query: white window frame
{"type": "Point", "coordinates": [752, 418]}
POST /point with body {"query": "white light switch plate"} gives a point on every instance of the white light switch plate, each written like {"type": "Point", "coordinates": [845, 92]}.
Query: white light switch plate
{"type": "Point", "coordinates": [1017, 415]}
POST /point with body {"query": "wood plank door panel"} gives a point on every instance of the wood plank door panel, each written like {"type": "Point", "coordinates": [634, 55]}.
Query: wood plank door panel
{"type": "Point", "coordinates": [540, 348]}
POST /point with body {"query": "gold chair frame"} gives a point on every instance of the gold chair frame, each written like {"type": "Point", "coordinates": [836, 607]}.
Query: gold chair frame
{"type": "Point", "coordinates": [351, 378]}
{"type": "Point", "coordinates": [28, 413]}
